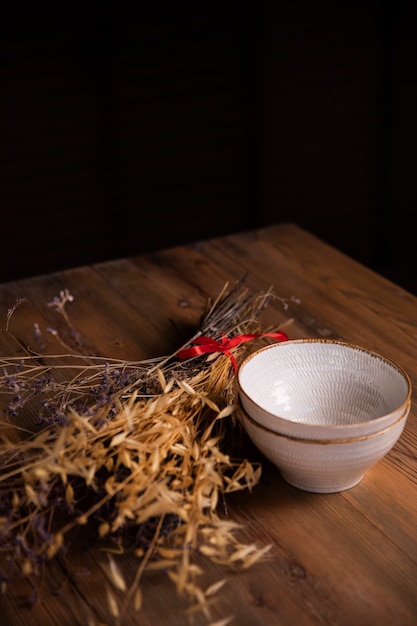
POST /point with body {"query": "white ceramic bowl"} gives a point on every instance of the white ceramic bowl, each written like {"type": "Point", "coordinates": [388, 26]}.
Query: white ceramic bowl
{"type": "Point", "coordinates": [323, 466]}
{"type": "Point", "coordinates": [322, 389]}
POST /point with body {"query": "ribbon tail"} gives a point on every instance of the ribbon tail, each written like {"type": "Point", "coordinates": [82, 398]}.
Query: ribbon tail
{"type": "Point", "coordinates": [196, 350]}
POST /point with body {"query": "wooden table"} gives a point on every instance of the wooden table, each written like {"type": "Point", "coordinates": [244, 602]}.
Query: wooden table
{"type": "Point", "coordinates": [342, 559]}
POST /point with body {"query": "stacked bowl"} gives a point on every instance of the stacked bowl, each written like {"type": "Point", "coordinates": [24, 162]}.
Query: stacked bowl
{"type": "Point", "coordinates": [323, 411]}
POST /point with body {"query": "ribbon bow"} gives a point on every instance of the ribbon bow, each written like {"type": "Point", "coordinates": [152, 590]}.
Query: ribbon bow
{"type": "Point", "coordinates": [206, 345]}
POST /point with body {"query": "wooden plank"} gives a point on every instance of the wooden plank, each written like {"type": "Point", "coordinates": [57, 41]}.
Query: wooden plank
{"type": "Point", "coordinates": [342, 558]}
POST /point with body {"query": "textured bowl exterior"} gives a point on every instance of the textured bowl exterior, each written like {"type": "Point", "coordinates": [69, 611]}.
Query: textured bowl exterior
{"type": "Point", "coordinates": [322, 388]}
{"type": "Point", "coordinates": [323, 466]}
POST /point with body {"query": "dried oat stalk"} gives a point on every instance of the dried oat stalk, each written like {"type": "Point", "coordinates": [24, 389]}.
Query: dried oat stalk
{"type": "Point", "coordinates": [138, 450]}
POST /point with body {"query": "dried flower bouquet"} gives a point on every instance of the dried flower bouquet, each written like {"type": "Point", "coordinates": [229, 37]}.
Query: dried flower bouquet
{"type": "Point", "coordinates": [137, 450]}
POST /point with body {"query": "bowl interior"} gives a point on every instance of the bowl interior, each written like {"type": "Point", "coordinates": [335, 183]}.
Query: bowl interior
{"type": "Point", "coordinates": [323, 382]}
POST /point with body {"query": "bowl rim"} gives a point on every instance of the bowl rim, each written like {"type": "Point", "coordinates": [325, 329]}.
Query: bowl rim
{"type": "Point", "coordinates": [317, 427]}
{"type": "Point", "coordinates": [241, 412]}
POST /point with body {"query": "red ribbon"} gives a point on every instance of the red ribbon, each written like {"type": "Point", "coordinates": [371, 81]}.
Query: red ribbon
{"type": "Point", "coordinates": [205, 345]}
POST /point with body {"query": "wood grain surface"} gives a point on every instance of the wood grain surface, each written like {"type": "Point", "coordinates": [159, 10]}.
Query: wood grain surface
{"type": "Point", "coordinates": [336, 559]}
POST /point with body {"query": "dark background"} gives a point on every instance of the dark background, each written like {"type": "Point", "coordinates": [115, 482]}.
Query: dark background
{"type": "Point", "coordinates": [125, 128]}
